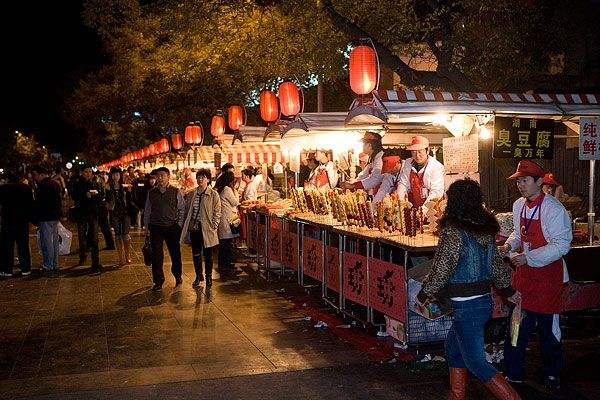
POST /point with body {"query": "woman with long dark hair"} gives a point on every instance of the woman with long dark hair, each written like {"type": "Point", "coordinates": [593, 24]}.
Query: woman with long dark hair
{"type": "Point", "coordinates": [119, 202]}
{"type": "Point", "coordinates": [465, 266]}
{"type": "Point", "coordinates": [229, 203]}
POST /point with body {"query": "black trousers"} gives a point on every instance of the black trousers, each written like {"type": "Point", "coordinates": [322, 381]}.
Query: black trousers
{"type": "Point", "coordinates": [198, 250]}
{"type": "Point", "coordinates": [15, 233]}
{"type": "Point", "coordinates": [225, 255]}
{"type": "Point", "coordinates": [104, 224]}
{"type": "Point", "coordinates": [87, 233]}
{"type": "Point", "coordinates": [169, 235]}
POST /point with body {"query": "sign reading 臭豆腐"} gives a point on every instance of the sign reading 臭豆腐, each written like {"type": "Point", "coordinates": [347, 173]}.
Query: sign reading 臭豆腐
{"type": "Point", "coordinates": [523, 138]}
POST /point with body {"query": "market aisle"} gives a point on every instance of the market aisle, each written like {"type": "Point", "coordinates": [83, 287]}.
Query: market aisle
{"type": "Point", "coordinates": [80, 331]}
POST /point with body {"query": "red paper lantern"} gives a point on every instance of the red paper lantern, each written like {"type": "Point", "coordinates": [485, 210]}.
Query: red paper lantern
{"type": "Point", "coordinates": [269, 107]}
{"type": "Point", "coordinates": [193, 134]}
{"type": "Point", "coordinates": [217, 126]}
{"type": "Point", "coordinates": [290, 99]}
{"type": "Point", "coordinates": [236, 117]}
{"type": "Point", "coordinates": [176, 141]}
{"type": "Point", "coordinates": [139, 154]}
{"type": "Point", "coordinates": [364, 69]}
{"type": "Point", "coordinates": [163, 145]}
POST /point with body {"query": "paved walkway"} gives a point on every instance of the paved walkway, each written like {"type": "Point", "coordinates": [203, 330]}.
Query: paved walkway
{"type": "Point", "coordinates": [82, 335]}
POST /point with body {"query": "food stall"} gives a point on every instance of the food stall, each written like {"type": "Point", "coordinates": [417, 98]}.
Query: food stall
{"type": "Point", "coordinates": [364, 263]}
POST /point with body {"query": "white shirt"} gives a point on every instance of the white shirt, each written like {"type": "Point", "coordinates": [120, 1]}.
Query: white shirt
{"type": "Point", "coordinates": [556, 227]}
{"type": "Point", "coordinates": [251, 189]}
{"type": "Point", "coordinates": [388, 184]}
{"type": "Point", "coordinates": [371, 177]}
{"type": "Point", "coordinates": [433, 179]}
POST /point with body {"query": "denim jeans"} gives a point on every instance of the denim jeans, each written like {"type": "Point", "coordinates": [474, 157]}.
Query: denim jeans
{"type": "Point", "coordinates": [550, 349]}
{"type": "Point", "coordinates": [49, 244]}
{"type": "Point", "coordinates": [465, 340]}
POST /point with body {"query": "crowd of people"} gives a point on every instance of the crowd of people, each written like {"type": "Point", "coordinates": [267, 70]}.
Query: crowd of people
{"type": "Point", "coordinates": [117, 201]}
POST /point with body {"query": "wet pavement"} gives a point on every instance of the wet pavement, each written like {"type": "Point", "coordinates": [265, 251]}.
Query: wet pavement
{"type": "Point", "coordinates": [106, 335]}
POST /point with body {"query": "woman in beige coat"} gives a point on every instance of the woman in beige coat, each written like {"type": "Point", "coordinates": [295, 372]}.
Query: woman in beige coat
{"type": "Point", "coordinates": [203, 214]}
{"type": "Point", "coordinates": [229, 203]}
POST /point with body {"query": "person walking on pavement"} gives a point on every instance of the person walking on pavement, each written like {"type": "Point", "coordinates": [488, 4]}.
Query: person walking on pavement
{"type": "Point", "coordinates": [47, 213]}
{"type": "Point", "coordinates": [118, 199]}
{"type": "Point", "coordinates": [203, 215]}
{"type": "Point", "coordinates": [16, 202]}
{"type": "Point", "coordinates": [104, 215]}
{"type": "Point", "coordinates": [465, 266]}
{"type": "Point", "coordinates": [163, 216]}
{"type": "Point", "coordinates": [89, 195]}
{"type": "Point", "coordinates": [229, 202]}
{"type": "Point", "coordinates": [541, 237]}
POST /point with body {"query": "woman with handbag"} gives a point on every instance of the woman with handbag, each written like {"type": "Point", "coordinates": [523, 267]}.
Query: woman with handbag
{"type": "Point", "coordinates": [203, 215]}
{"type": "Point", "coordinates": [119, 202]}
{"type": "Point", "coordinates": [230, 222]}
{"type": "Point", "coordinates": [465, 266]}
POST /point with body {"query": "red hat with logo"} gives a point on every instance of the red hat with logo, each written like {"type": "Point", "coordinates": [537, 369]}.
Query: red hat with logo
{"type": "Point", "coordinates": [549, 179]}
{"type": "Point", "coordinates": [418, 143]}
{"type": "Point", "coordinates": [527, 168]}
{"type": "Point", "coordinates": [389, 162]}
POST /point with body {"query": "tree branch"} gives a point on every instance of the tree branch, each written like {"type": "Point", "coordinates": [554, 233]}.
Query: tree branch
{"type": "Point", "coordinates": [445, 79]}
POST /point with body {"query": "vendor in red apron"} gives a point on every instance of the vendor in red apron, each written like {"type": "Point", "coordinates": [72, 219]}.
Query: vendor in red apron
{"type": "Point", "coordinates": [392, 166]}
{"type": "Point", "coordinates": [422, 176]}
{"type": "Point", "coordinates": [541, 237]}
{"type": "Point", "coordinates": [323, 173]}
{"type": "Point", "coordinates": [370, 177]}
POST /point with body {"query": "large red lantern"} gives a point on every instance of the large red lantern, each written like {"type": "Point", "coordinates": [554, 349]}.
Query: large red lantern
{"type": "Point", "coordinates": [163, 145]}
{"type": "Point", "coordinates": [269, 107]}
{"type": "Point", "coordinates": [176, 141]}
{"type": "Point", "coordinates": [290, 99]}
{"type": "Point", "coordinates": [364, 69]}
{"type": "Point", "coordinates": [193, 134]}
{"type": "Point", "coordinates": [152, 148]}
{"type": "Point", "coordinates": [236, 117]}
{"type": "Point", "coordinates": [217, 126]}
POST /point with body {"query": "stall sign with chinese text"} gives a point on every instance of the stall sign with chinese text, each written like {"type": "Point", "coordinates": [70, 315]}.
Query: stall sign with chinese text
{"type": "Point", "coordinates": [523, 138]}
{"type": "Point", "coordinates": [589, 148]}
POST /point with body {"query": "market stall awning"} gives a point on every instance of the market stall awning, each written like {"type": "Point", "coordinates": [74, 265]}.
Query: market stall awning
{"type": "Point", "coordinates": [398, 103]}
{"type": "Point", "coordinates": [252, 153]}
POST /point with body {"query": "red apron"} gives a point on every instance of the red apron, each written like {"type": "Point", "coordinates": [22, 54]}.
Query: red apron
{"type": "Point", "coordinates": [321, 178]}
{"type": "Point", "coordinates": [415, 196]}
{"type": "Point", "coordinates": [540, 287]}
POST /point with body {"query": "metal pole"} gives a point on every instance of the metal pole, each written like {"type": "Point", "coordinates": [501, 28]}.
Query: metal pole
{"type": "Point", "coordinates": [591, 214]}
{"type": "Point", "coordinates": [319, 97]}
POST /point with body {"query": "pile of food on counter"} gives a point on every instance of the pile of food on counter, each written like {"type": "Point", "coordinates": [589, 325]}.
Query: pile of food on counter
{"type": "Point", "coordinates": [354, 209]}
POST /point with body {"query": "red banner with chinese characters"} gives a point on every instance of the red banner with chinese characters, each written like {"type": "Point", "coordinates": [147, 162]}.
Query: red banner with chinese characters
{"type": "Point", "coordinates": [333, 268]}
{"type": "Point", "coordinates": [355, 278]}
{"type": "Point", "coordinates": [312, 256]}
{"type": "Point", "coordinates": [581, 296]}
{"type": "Point", "coordinates": [289, 249]}
{"type": "Point", "coordinates": [388, 289]}
{"type": "Point", "coordinates": [251, 233]}
{"type": "Point", "coordinates": [275, 244]}
{"type": "Point", "coordinates": [260, 239]}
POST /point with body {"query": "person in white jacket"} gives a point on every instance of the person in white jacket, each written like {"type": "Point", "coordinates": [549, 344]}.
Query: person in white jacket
{"type": "Point", "coordinates": [541, 237]}
{"type": "Point", "coordinates": [370, 177]}
{"type": "Point", "coordinates": [252, 181]}
{"type": "Point", "coordinates": [422, 176]}
{"type": "Point", "coordinates": [229, 203]}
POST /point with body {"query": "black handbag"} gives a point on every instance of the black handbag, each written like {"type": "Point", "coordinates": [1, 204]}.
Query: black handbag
{"type": "Point", "coordinates": [235, 229]}
{"type": "Point", "coordinates": [147, 251]}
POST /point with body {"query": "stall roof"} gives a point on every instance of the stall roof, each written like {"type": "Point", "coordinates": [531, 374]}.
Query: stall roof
{"type": "Point", "coordinates": [565, 106]}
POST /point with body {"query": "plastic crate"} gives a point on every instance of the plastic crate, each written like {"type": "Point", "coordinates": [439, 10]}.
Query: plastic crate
{"type": "Point", "coordinates": [423, 330]}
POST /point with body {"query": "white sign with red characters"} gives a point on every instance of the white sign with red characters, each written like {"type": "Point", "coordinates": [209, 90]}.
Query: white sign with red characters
{"type": "Point", "coordinates": [589, 143]}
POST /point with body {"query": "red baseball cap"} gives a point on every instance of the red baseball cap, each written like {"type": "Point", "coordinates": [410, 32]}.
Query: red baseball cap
{"type": "Point", "coordinates": [389, 162]}
{"type": "Point", "coordinates": [549, 179]}
{"type": "Point", "coordinates": [418, 143]}
{"type": "Point", "coordinates": [527, 168]}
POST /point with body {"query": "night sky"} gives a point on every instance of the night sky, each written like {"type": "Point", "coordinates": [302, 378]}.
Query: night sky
{"type": "Point", "coordinates": [45, 49]}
